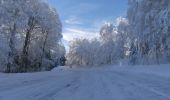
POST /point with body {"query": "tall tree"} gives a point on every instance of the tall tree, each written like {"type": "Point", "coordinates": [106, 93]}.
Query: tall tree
{"type": "Point", "coordinates": [31, 26]}
{"type": "Point", "coordinates": [149, 24]}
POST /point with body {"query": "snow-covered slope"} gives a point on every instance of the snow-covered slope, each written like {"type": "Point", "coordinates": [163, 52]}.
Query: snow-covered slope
{"type": "Point", "coordinates": [108, 83]}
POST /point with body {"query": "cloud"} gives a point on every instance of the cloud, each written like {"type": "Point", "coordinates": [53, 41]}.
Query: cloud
{"type": "Point", "coordinates": [77, 31]}
{"type": "Point", "coordinates": [71, 33]}
{"type": "Point", "coordinates": [73, 21]}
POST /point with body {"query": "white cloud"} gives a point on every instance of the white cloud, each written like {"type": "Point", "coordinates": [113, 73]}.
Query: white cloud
{"type": "Point", "coordinates": [72, 33]}
{"type": "Point", "coordinates": [75, 28]}
{"type": "Point", "coordinates": [73, 21]}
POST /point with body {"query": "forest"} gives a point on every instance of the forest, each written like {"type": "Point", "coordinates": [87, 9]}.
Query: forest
{"type": "Point", "coordinates": [31, 34]}
{"type": "Point", "coordinates": [143, 37]}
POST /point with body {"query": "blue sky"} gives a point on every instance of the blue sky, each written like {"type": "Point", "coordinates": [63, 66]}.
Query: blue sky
{"type": "Point", "coordinates": [83, 18]}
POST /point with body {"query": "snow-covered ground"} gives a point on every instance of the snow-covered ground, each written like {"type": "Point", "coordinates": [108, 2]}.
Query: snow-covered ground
{"type": "Point", "coordinates": [104, 83]}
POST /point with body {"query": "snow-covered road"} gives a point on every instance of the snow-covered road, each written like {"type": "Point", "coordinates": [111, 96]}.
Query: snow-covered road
{"type": "Point", "coordinates": [85, 84]}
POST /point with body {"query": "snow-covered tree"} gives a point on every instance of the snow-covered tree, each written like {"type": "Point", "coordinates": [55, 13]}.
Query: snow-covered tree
{"type": "Point", "coordinates": [83, 52]}
{"type": "Point", "coordinates": [150, 26]}
{"type": "Point", "coordinates": [32, 31]}
{"type": "Point", "coordinates": [108, 49]}
{"type": "Point", "coordinates": [122, 37]}
{"type": "Point", "coordinates": [106, 32]}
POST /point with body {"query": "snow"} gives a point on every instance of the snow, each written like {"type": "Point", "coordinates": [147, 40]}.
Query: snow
{"type": "Point", "coordinates": [103, 83]}
{"type": "Point", "coordinates": [60, 68]}
{"type": "Point", "coordinates": [159, 70]}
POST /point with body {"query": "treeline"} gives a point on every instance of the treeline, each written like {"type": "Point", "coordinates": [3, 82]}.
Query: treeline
{"type": "Point", "coordinates": [141, 38]}
{"type": "Point", "coordinates": [30, 36]}
{"type": "Point", "coordinates": [108, 49]}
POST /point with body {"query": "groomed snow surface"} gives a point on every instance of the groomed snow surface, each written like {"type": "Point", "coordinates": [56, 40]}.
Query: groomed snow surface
{"type": "Point", "coordinates": [102, 83]}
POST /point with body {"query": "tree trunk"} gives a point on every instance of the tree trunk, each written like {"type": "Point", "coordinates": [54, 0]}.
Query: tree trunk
{"type": "Point", "coordinates": [24, 58]}
{"type": "Point", "coordinates": [12, 49]}
{"type": "Point", "coordinates": [43, 49]}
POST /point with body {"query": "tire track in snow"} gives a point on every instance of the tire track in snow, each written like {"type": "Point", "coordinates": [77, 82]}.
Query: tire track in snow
{"type": "Point", "coordinates": [154, 83]}
{"type": "Point", "coordinates": [135, 91]}
{"type": "Point", "coordinates": [66, 86]}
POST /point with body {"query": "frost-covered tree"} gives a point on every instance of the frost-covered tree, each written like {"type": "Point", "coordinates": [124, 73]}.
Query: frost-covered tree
{"type": "Point", "coordinates": [43, 34]}
{"type": "Point", "coordinates": [10, 16]}
{"type": "Point", "coordinates": [83, 52]}
{"type": "Point", "coordinates": [122, 37]}
{"type": "Point", "coordinates": [108, 49]}
{"type": "Point", "coordinates": [31, 30]}
{"type": "Point", "coordinates": [150, 26]}
{"type": "Point", "coordinates": [106, 32]}
{"type": "Point", "coordinates": [115, 40]}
